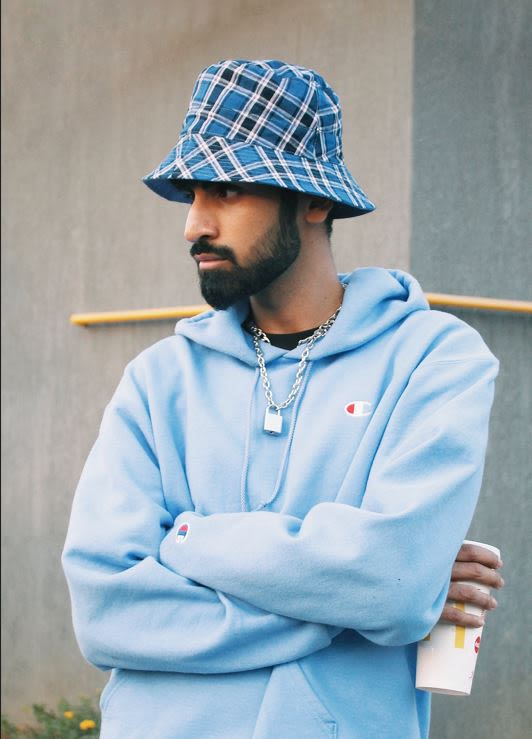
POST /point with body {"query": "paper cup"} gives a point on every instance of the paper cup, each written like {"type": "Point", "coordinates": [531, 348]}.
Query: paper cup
{"type": "Point", "coordinates": [447, 657]}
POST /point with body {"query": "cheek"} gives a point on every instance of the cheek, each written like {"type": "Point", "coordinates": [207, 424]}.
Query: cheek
{"type": "Point", "coordinates": [256, 218]}
{"type": "Point", "coordinates": [242, 234]}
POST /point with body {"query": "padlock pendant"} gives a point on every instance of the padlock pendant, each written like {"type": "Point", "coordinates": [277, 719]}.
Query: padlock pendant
{"type": "Point", "coordinates": [273, 422]}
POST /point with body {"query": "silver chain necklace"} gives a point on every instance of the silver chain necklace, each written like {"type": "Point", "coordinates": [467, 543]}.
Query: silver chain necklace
{"type": "Point", "coordinates": [273, 421]}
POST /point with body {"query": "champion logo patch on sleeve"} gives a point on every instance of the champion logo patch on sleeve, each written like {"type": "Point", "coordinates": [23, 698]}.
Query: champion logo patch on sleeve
{"type": "Point", "coordinates": [182, 533]}
{"type": "Point", "coordinates": [358, 408]}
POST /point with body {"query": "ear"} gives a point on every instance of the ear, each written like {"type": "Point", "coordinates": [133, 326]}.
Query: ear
{"type": "Point", "coordinates": [316, 209]}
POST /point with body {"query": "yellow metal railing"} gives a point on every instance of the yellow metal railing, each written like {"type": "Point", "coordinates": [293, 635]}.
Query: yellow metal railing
{"type": "Point", "coordinates": [164, 314]}
{"type": "Point", "coordinates": [468, 301]}
{"type": "Point", "coordinates": [128, 316]}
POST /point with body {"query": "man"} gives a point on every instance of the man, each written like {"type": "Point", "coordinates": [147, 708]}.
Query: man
{"type": "Point", "coordinates": [269, 518]}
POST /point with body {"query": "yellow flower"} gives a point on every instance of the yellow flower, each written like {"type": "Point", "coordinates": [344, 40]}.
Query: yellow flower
{"type": "Point", "coordinates": [88, 723]}
{"type": "Point", "coordinates": [68, 714]}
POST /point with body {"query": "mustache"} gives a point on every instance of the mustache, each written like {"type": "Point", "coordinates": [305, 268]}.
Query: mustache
{"type": "Point", "coordinates": [203, 247]}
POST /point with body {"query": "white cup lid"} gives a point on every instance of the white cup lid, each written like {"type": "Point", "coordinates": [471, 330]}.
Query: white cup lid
{"type": "Point", "coordinates": [493, 549]}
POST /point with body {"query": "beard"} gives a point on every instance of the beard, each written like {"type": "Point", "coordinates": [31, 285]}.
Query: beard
{"type": "Point", "coordinates": [273, 254]}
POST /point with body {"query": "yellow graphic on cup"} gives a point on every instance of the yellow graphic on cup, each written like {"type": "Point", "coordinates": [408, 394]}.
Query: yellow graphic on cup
{"type": "Point", "coordinates": [459, 631]}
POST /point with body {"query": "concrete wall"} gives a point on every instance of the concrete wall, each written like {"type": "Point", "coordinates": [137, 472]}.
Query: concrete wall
{"type": "Point", "coordinates": [94, 95]}
{"type": "Point", "coordinates": [471, 234]}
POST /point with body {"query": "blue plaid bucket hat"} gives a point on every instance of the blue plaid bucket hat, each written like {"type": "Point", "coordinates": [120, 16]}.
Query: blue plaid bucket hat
{"type": "Point", "coordinates": [264, 122]}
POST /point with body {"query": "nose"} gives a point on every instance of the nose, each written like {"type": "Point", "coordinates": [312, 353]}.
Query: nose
{"type": "Point", "coordinates": [201, 221]}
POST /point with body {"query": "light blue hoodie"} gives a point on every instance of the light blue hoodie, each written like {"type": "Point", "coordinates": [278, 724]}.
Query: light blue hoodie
{"type": "Point", "coordinates": [290, 604]}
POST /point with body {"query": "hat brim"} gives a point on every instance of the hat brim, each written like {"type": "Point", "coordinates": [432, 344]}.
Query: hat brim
{"type": "Point", "coordinates": [215, 159]}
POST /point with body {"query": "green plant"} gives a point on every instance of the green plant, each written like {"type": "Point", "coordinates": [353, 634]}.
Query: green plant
{"type": "Point", "coordinates": [68, 721]}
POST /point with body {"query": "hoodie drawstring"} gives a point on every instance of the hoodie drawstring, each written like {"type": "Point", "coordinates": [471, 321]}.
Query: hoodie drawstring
{"type": "Point", "coordinates": [284, 463]}
{"type": "Point", "coordinates": [245, 465]}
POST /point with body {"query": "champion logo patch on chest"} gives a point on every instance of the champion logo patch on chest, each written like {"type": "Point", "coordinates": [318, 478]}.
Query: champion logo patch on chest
{"type": "Point", "coordinates": [182, 533]}
{"type": "Point", "coordinates": [358, 408]}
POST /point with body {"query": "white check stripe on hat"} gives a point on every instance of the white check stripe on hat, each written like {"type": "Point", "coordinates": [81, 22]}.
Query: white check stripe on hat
{"type": "Point", "coordinates": [207, 109]}
{"type": "Point", "coordinates": [310, 175]}
{"type": "Point", "coordinates": [239, 171]}
{"type": "Point", "coordinates": [296, 121]}
{"type": "Point", "coordinates": [255, 98]}
{"type": "Point", "coordinates": [291, 177]}
{"type": "Point", "coordinates": [269, 166]}
{"type": "Point", "coordinates": [325, 179]}
{"type": "Point", "coordinates": [211, 159]}
{"type": "Point", "coordinates": [235, 86]}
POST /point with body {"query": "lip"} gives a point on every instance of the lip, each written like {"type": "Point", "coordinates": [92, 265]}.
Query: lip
{"type": "Point", "coordinates": [208, 261]}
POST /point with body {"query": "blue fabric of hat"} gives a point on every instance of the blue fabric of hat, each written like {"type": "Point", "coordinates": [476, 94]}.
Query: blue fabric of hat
{"type": "Point", "coordinates": [264, 122]}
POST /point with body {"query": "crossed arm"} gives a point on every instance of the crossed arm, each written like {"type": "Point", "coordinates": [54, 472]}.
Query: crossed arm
{"type": "Point", "coordinates": [142, 601]}
{"type": "Point", "coordinates": [131, 611]}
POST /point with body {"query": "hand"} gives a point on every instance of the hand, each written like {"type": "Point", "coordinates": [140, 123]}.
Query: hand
{"type": "Point", "coordinates": [476, 564]}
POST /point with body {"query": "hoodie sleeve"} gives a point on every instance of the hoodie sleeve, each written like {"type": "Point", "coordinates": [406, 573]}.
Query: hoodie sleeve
{"type": "Point", "coordinates": [382, 569]}
{"type": "Point", "coordinates": [129, 609]}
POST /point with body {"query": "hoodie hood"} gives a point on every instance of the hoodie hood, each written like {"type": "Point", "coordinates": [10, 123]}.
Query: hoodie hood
{"type": "Point", "coordinates": [375, 300]}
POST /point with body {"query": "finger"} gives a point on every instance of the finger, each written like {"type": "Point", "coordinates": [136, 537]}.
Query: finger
{"type": "Point", "coordinates": [465, 593]}
{"type": "Point", "coordinates": [455, 616]}
{"type": "Point", "coordinates": [477, 573]}
{"type": "Point", "coordinates": [474, 553]}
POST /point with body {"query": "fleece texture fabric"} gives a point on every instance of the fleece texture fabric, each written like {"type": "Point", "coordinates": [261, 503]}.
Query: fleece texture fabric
{"type": "Point", "coordinates": [242, 585]}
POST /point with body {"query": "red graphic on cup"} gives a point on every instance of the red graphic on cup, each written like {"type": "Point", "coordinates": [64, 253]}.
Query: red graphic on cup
{"type": "Point", "coordinates": [477, 644]}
